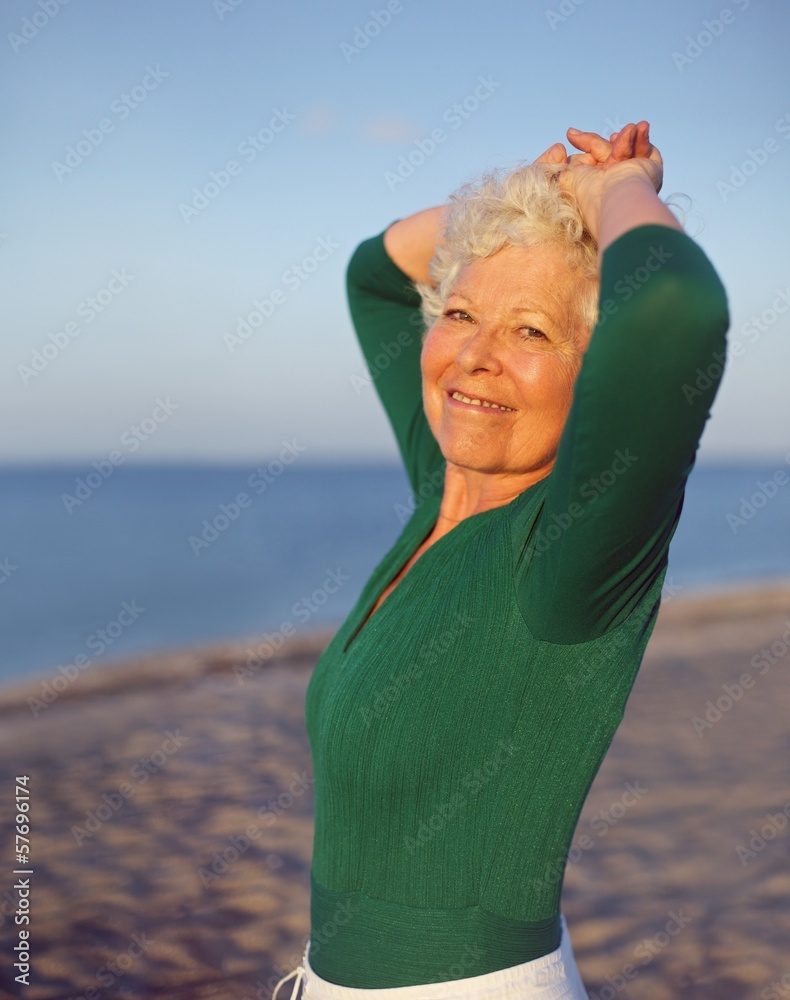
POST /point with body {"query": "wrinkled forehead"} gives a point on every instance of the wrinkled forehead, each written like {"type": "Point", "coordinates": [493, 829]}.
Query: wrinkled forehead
{"type": "Point", "coordinates": [540, 278]}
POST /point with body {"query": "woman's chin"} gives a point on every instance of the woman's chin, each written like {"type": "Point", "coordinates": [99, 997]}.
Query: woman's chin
{"type": "Point", "coordinates": [482, 456]}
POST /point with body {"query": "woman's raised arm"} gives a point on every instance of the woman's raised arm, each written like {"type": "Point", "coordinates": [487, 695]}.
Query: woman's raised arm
{"type": "Point", "coordinates": [411, 242]}
{"type": "Point", "coordinates": [385, 310]}
{"type": "Point", "coordinates": [636, 420]}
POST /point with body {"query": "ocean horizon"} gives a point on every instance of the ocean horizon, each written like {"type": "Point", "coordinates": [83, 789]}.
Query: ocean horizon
{"type": "Point", "coordinates": [102, 563]}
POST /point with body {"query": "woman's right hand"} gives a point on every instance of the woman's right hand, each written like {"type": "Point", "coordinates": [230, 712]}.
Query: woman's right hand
{"type": "Point", "coordinates": [603, 164]}
{"type": "Point", "coordinates": [630, 143]}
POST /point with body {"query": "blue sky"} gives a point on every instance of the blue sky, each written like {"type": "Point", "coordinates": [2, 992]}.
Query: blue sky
{"type": "Point", "coordinates": [152, 98]}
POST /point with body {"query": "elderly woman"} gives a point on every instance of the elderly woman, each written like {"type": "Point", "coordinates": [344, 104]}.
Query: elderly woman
{"type": "Point", "coordinates": [458, 717]}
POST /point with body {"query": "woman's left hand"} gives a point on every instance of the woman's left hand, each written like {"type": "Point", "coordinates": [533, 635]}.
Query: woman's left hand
{"type": "Point", "coordinates": [603, 164]}
{"type": "Point", "coordinates": [628, 152]}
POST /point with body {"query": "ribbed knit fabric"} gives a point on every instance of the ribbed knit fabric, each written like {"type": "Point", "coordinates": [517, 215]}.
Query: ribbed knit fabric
{"type": "Point", "coordinates": [456, 734]}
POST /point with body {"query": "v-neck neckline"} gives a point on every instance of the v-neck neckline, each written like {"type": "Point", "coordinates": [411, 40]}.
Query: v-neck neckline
{"type": "Point", "coordinates": [364, 620]}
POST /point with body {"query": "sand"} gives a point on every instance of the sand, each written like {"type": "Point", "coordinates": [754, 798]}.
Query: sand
{"type": "Point", "coordinates": [171, 815]}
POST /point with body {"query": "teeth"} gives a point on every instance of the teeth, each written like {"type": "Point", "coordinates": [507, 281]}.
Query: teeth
{"type": "Point", "coordinates": [480, 402]}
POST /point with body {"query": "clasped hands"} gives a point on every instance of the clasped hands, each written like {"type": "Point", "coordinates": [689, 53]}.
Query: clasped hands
{"type": "Point", "coordinates": [627, 157]}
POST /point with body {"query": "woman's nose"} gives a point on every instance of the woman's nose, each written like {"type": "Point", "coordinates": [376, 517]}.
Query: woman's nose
{"type": "Point", "coordinates": [481, 350]}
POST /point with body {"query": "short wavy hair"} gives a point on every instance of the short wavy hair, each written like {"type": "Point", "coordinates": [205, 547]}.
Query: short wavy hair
{"type": "Point", "coordinates": [524, 207]}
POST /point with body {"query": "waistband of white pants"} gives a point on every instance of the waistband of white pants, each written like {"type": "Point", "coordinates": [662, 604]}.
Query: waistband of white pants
{"type": "Point", "coordinates": [551, 977]}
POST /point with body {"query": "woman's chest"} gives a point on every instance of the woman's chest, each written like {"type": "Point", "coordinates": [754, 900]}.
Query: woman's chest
{"type": "Point", "coordinates": [445, 612]}
{"type": "Point", "coordinates": [395, 581]}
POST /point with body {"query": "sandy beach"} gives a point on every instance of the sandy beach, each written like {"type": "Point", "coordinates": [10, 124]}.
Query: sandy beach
{"type": "Point", "coordinates": [171, 820]}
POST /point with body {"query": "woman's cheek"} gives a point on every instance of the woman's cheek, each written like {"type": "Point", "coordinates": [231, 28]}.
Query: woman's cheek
{"type": "Point", "coordinates": [547, 385]}
{"type": "Point", "coordinates": [540, 375]}
{"type": "Point", "coordinates": [430, 361]}
{"type": "Point", "coordinates": [572, 366]}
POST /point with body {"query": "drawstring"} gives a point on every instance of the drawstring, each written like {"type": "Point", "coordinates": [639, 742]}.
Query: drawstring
{"type": "Point", "coordinates": [300, 972]}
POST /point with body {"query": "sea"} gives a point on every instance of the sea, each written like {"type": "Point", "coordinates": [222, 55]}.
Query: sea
{"type": "Point", "coordinates": [97, 564]}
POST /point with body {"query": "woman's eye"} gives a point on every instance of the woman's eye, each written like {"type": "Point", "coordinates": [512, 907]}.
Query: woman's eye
{"type": "Point", "coordinates": [532, 333]}
{"type": "Point", "coordinates": [456, 314]}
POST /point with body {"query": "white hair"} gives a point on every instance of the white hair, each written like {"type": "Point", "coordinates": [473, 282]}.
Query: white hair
{"type": "Point", "coordinates": [525, 208]}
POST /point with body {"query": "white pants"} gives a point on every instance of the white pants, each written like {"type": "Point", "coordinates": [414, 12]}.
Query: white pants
{"type": "Point", "coordinates": [552, 977]}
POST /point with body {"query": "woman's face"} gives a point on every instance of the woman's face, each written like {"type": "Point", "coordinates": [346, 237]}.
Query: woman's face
{"type": "Point", "coordinates": [510, 333]}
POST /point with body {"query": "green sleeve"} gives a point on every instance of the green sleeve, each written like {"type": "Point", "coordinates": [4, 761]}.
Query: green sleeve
{"type": "Point", "coordinates": [385, 310]}
{"type": "Point", "coordinates": [641, 400]}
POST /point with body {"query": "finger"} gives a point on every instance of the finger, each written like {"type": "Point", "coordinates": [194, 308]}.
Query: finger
{"type": "Point", "coordinates": [554, 154]}
{"type": "Point", "coordinates": [623, 146]}
{"type": "Point", "coordinates": [590, 142]}
{"type": "Point", "coordinates": [586, 159]}
{"type": "Point", "coordinates": [633, 141]}
{"type": "Point", "coordinates": [642, 146]}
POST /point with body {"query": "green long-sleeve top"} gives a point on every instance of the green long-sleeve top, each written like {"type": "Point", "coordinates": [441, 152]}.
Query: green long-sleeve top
{"type": "Point", "coordinates": [456, 734]}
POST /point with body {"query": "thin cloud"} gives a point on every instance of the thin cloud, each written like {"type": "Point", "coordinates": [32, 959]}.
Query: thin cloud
{"type": "Point", "coordinates": [319, 120]}
{"type": "Point", "coordinates": [386, 129]}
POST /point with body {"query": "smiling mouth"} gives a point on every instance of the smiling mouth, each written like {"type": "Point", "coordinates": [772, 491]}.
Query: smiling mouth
{"type": "Point", "coordinates": [485, 404]}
